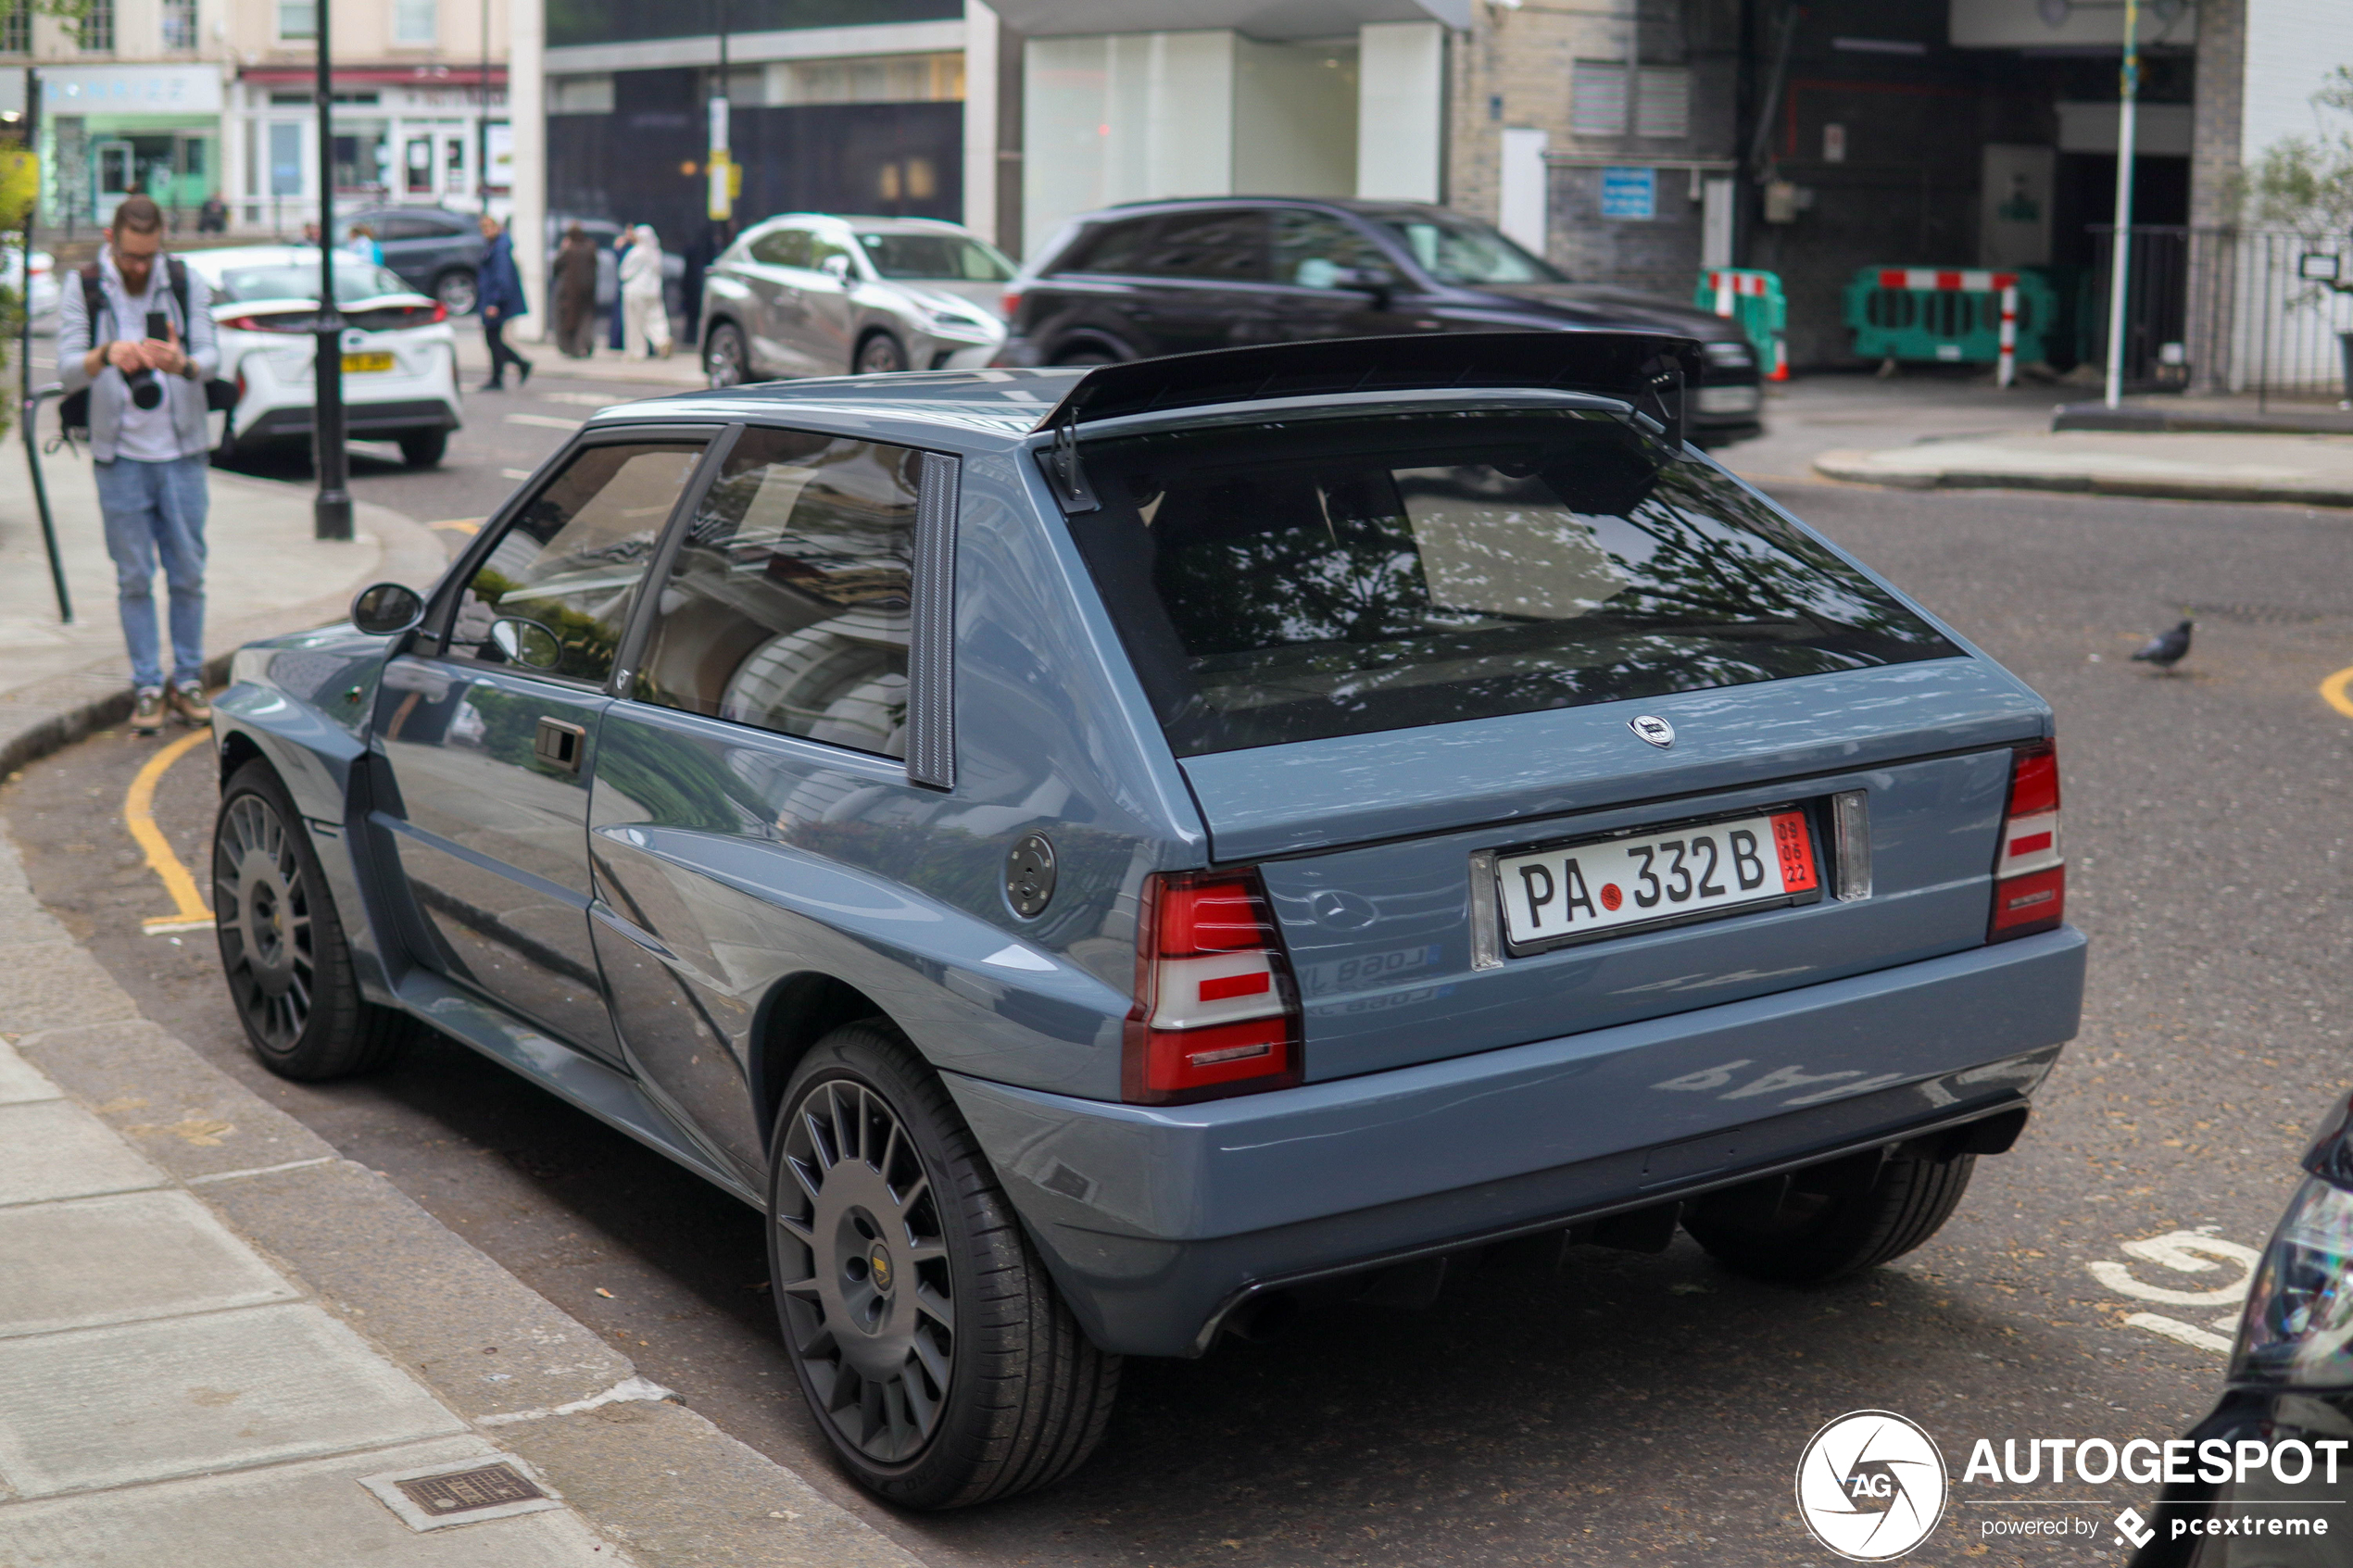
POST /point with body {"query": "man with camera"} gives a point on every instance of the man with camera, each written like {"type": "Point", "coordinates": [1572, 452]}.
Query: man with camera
{"type": "Point", "coordinates": [134, 331]}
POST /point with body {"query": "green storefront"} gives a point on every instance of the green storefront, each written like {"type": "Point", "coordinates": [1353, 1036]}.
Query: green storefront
{"type": "Point", "coordinates": [107, 130]}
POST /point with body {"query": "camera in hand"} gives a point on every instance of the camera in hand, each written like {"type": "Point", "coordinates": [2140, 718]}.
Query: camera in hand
{"type": "Point", "coordinates": [145, 390]}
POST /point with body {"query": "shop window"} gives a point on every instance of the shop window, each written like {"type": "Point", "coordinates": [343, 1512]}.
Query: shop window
{"type": "Point", "coordinates": [416, 21]}
{"type": "Point", "coordinates": [580, 95]}
{"type": "Point", "coordinates": [16, 31]}
{"type": "Point", "coordinates": [298, 19]}
{"type": "Point", "coordinates": [96, 32]}
{"type": "Point", "coordinates": [871, 79]}
{"type": "Point", "coordinates": [179, 26]}
{"type": "Point", "coordinates": [417, 164]}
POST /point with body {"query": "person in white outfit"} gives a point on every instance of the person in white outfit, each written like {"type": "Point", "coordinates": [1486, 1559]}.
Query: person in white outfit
{"type": "Point", "coordinates": [645, 318]}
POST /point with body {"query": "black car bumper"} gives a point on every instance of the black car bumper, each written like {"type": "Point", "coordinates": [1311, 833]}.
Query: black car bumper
{"type": "Point", "coordinates": [360, 420]}
{"type": "Point", "coordinates": [2262, 1521]}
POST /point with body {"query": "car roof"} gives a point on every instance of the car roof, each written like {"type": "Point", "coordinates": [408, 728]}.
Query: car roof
{"type": "Point", "coordinates": [988, 409]}
{"type": "Point", "coordinates": [1337, 203]}
{"type": "Point", "coordinates": [860, 220]}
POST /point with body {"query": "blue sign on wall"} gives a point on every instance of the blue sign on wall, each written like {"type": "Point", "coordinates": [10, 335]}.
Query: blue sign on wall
{"type": "Point", "coordinates": [1629, 194]}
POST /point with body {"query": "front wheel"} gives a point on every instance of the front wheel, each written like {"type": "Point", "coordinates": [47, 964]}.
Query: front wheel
{"type": "Point", "coordinates": [880, 355]}
{"type": "Point", "coordinates": [725, 362]}
{"type": "Point", "coordinates": [282, 948]}
{"type": "Point", "coordinates": [424, 448]}
{"type": "Point", "coordinates": [1835, 1220]}
{"type": "Point", "coordinates": [457, 290]}
{"type": "Point", "coordinates": [938, 1358]}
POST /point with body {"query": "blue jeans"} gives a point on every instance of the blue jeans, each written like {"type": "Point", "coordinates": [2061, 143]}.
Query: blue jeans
{"type": "Point", "coordinates": [155, 511]}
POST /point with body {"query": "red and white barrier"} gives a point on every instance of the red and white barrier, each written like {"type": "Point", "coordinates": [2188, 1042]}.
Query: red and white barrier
{"type": "Point", "coordinates": [2006, 365]}
{"type": "Point", "coordinates": [1975, 280]}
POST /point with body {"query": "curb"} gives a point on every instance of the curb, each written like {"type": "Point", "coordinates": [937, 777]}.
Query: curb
{"type": "Point", "coordinates": [1857, 468]}
{"type": "Point", "coordinates": [2099, 416]}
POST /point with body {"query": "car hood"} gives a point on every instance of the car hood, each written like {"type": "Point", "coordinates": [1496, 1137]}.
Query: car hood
{"type": "Point", "coordinates": [1597, 305]}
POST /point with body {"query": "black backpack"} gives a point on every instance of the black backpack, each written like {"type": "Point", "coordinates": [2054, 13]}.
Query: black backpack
{"type": "Point", "coordinates": [73, 409]}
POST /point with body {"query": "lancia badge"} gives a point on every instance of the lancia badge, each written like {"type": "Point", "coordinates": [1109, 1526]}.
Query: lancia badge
{"type": "Point", "coordinates": [1659, 731]}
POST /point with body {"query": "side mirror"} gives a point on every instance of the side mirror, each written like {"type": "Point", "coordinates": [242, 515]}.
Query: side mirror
{"type": "Point", "coordinates": [386, 609]}
{"type": "Point", "coordinates": [835, 267]}
{"type": "Point", "coordinates": [526, 643]}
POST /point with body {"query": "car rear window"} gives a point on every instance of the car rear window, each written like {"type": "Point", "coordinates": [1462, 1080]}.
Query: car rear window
{"type": "Point", "coordinates": [1288, 582]}
{"type": "Point", "coordinates": [355, 279]}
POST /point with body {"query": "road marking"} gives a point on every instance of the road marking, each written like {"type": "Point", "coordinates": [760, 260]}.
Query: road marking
{"type": "Point", "coordinates": [579, 399]}
{"type": "Point", "coordinates": [2337, 691]}
{"type": "Point", "coordinates": [2175, 1329]}
{"type": "Point", "coordinates": [514, 474]}
{"type": "Point", "coordinates": [544, 421]}
{"type": "Point", "coordinates": [139, 816]}
{"type": "Point", "coordinates": [2187, 1252]}
{"type": "Point", "coordinates": [457, 524]}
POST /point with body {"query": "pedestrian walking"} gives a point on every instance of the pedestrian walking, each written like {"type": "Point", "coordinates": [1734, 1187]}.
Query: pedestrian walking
{"type": "Point", "coordinates": [361, 243]}
{"type": "Point", "coordinates": [643, 307]}
{"type": "Point", "coordinates": [500, 300]}
{"type": "Point", "coordinates": [144, 355]}
{"type": "Point", "coordinates": [617, 321]}
{"type": "Point", "coordinates": [576, 295]}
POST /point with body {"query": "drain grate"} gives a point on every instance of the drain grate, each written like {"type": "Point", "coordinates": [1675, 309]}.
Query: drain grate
{"type": "Point", "coordinates": [492, 1486]}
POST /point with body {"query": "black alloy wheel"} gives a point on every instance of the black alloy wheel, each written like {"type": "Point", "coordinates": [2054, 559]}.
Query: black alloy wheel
{"type": "Point", "coordinates": [282, 948]}
{"type": "Point", "coordinates": [933, 1349]}
{"type": "Point", "coordinates": [1833, 1220]}
{"type": "Point", "coordinates": [725, 359]}
{"type": "Point", "coordinates": [880, 355]}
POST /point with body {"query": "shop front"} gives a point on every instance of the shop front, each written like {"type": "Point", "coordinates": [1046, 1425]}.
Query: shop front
{"type": "Point", "coordinates": [107, 130]}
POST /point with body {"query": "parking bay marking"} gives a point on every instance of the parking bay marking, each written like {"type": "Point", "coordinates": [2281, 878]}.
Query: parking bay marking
{"type": "Point", "coordinates": [2187, 1252]}
{"type": "Point", "coordinates": [139, 816]}
{"type": "Point", "coordinates": [2337, 691]}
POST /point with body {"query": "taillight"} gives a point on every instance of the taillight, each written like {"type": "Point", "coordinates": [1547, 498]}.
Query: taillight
{"type": "Point", "coordinates": [1011, 304]}
{"type": "Point", "coordinates": [1216, 1012]}
{"type": "Point", "coordinates": [2030, 873]}
{"type": "Point", "coordinates": [438, 314]}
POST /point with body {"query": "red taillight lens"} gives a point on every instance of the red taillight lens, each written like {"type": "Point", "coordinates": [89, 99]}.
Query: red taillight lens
{"type": "Point", "coordinates": [2030, 872]}
{"type": "Point", "coordinates": [1011, 303]}
{"type": "Point", "coordinates": [438, 314]}
{"type": "Point", "coordinates": [1215, 1009]}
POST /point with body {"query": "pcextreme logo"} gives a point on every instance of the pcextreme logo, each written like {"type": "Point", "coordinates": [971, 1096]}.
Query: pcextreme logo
{"type": "Point", "coordinates": [1870, 1486]}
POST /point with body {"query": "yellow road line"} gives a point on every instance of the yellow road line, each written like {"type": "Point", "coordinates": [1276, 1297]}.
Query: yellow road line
{"type": "Point", "coordinates": [2337, 691]}
{"type": "Point", "coordinates": [139, 816]}
{"type": "Point", "coordinates": [457, 524]}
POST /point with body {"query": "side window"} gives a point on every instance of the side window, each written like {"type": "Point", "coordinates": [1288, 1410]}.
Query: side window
{"type": "Point", "coordinates": [1115, 247]}
{"type": "Point", "coordinates": [1228, 248]}
{"type": "Point", "coordinates": [554, 593]}
{"type": "Point", "coordinates": [402, 226]}
{"type": "Point", "coordinates": [783, 247]}
{"type": "Point", "coordinates": [821, 247]}
{"type": "Point", "coordinates": [1313, 249]}
{"type": "Point", "coordinates": [789, 606]}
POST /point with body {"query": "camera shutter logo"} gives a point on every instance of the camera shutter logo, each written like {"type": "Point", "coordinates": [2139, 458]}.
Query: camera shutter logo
{"type": "Point", "coordinates": [1870, 1486]}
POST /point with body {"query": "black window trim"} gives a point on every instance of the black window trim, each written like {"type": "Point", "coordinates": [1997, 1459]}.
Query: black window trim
{"type": "Point", "coordinates": [430, 640]}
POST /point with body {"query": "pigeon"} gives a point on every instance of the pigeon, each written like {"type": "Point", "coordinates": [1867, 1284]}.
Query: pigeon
{"type": "Point", "coordinates": [2167, 649]}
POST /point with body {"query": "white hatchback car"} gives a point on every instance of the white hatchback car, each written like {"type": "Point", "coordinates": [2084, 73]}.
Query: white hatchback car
{"type": "Point", "coordinates": [400, 355]}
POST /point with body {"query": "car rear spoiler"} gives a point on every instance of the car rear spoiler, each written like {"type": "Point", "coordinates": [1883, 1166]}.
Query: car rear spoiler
{"type": "Point", "coordinates": [1649, 371]}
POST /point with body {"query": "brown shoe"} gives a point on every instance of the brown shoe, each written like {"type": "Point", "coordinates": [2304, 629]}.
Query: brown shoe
{"type": "Point", "coordinates": [188, 702]}
{"type": "Point", "coordinates": [146, 711]}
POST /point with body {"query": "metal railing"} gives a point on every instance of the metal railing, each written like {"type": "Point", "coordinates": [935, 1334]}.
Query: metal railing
{"type": "Point", "coordinates": [2238, 310]}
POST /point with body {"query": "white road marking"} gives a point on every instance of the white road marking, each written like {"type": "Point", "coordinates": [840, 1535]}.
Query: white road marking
{"type": "Point", "coordinates": [543, 422]}
{"type": "Point", "coordinates": [2189, 1252]}
{"type": "Point", "coordinates": [2171, 1328]}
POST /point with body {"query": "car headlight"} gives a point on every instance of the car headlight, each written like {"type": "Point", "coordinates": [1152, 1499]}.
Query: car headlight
{"type": "Point", "coordinates": [2298, 1328]}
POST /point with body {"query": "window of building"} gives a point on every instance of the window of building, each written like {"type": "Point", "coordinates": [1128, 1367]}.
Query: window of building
{"type": "Point", "coordinates": [96, 32]}
{"type": "Point", "coordinates": [416, 21]}
{"type": "Point", "coordinates": [180, 25]}
{"type": "Point", "coordinates": [1597, 98]}
{"type": "Point", "coordinates": [580, 95]}
{"type": "Point", "coordinates": [16, 30]}
{"type": "Point", "coordinates": [1663, 101]}
{"type": "Point", "coordinates": [870, 79]}
{"type": "Point", "coordinates": [298, 19]}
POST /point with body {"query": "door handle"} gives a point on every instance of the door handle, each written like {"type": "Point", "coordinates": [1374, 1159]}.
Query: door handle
{"type": "Point", "coordinates": [559, 744]}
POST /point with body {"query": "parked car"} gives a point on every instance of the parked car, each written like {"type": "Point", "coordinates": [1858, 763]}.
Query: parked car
{"type": "Point", "coordinates": [807, 294]}
{"type": "Point", "coordinates": [42, 302]}
{"type": "Point", "coordinates": [2290, 1383]}
{"type": "Point", "coordinates": [399, 355]}
{"type": "Point", "coordinates": [437, 251]}
{"type": "Point", "coordinates": [1176, 277]}
{"type": "Point", "coordinates": [1097, 856]}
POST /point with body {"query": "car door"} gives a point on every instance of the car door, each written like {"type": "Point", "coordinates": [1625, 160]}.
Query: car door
{"type": "Point", "coordinates": [760, 748]}
{"type": "Point", "coordinates": [488, 731]}
{"type": "Point", "coordinates": [1331, 281]}
{"type": "Point", "coordinates": [1208, 271]}
{"type": "Point", "coordinates": [776, 265]}
{"type": "Point", "coordinates": [829, 315]}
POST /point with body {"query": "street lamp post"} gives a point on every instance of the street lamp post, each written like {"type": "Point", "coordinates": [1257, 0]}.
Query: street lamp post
{"type": "Point", "coordinates": [2120, 252]}
{"type": "Point", "coordinates": [331, 513]}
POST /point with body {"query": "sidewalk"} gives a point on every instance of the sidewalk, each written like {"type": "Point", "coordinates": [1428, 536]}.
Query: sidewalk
{"type": "Point", "coordinates": [220, 1343]}
{"type": "Point", "coordinates": [2312, 470]}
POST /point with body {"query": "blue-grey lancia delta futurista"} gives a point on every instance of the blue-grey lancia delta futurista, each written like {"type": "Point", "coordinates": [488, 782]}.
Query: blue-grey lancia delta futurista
{"type": "Point", "coordinates": [1100, 856]}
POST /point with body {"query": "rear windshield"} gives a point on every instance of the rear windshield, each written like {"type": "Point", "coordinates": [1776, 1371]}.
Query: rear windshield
{"type": "Point", "coordinates": [1286, 583]}
{"type": "Point", "coordinates": [354, 279]}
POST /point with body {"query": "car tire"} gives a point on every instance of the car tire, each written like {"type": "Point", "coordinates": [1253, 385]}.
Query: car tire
{"type": "Point", "coordinates": [932, 1348]}
{"type": "Point", "coordinates": [725, 359]}
{"type": "Point", "coordinates": [1086, 358]}
{"type": "Point", "coordinates": [880, 354]}
{"type": "Point", "coordinates": [424, 448]}
{"type": "Point", "coordinates": [1836, 1220]}
{"type": "Point", "coordinates": [281, 947]}
{"type": "Point", "coordinates": [458, 291]}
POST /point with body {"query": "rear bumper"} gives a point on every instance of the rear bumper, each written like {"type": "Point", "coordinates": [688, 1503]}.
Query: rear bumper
{"type": "Point", "coordinates": [397, 416]}
{"type": "Point", "coordinates": [1155, 1220]}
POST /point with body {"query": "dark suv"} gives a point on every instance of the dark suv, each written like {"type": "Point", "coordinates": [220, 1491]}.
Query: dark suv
{"type": "Point", "coordinates": [434, 250]}
{"type": "Point", "coordinates": [1153, 278]}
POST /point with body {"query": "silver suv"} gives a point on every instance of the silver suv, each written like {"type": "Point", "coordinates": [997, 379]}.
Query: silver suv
{"type": "Point", "coordinates": [809, 295]}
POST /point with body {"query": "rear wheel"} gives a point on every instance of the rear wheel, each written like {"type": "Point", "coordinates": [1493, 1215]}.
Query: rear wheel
{"type": "Point", "coordinates": [456, 290]}
{"type": "Point", "coordinates": [939, 1362]}
{"type": "Point", "coordinates": [726, 362]}
{"type": "Point", "coordinates": [1837, 1220]}
{"type": "Point", "coordinates": [282, 948]}
{"type": "Point", "coordinates": [880, 355]}
{"type": "Point", "coordinates": [1088, 356]}
{"type": "Point", "coordinates": [424, 448]}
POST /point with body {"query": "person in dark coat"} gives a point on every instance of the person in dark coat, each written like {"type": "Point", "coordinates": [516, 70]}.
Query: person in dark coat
{"type": "Point", "coordinates": [576, 295]}
{"type": "Point", "coordinates": [499, 299]}
{"type": "Point", "coordinates": [620, 244]}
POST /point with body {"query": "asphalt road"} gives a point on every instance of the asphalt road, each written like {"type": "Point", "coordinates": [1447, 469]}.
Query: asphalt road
{"type": "Point", "coordinates": [1626, 1409]}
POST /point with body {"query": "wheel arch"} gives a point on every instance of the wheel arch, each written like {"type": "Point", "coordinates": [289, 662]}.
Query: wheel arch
{"type": "Point", "coordinates": [237, 749]}
{"type": "Point", "coordinates": [800, 1010]}
{"type": "Point", "coordinates": [1079, 339]}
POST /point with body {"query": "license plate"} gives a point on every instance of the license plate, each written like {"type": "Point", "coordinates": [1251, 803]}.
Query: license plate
{"type": "Point", "coordinates": [1696, 871]}
{"type": "Point", "coordinates": [1728, 399]}
{"type": "Point", "coordinates": [359, 364]}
